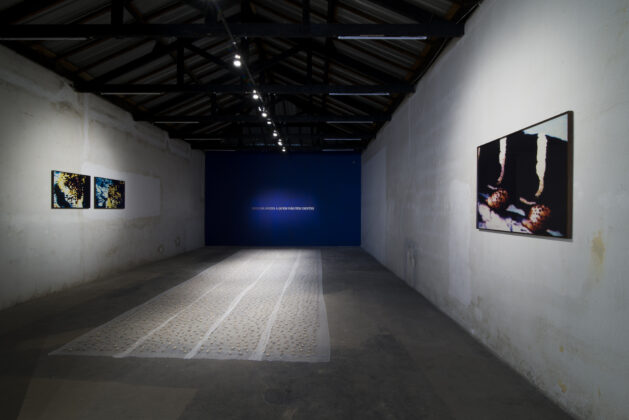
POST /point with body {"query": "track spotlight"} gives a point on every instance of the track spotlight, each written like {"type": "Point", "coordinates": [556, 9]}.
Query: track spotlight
{"type": "Point", "coordinates": [264, 114]}
{"type": "Point", "coordinates": [255, 95]}
{"type": "Point", "coordinates": [268, 122]}
{"type": "Point", "coordinates": [274, 133]}
{"type": "Point", "coordinates": [284, 149]}
{"type": "Point", "coordinates": [237, 62]}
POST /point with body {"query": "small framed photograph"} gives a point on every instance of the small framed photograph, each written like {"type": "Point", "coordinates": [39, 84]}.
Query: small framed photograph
{"type": "Point", "coordinates": [70, 191]}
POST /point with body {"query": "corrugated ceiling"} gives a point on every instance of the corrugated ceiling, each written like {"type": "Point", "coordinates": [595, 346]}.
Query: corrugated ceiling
{"type": "Point", "coordinates": [299, 75]}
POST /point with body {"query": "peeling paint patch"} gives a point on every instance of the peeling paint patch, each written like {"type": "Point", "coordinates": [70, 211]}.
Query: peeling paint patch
{"type": "Point", "coordinates": [563, 387]}
{"type": "Point", "coordinates": [598, 249]}
{"type": "Point", "coordinates": [597, 257]}
{"type": "Point", "coordinates": [112, 251]}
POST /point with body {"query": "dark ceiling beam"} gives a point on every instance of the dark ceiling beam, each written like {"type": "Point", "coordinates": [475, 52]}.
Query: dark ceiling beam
{"type": "Point", "coordinates": [240, 89]}
{"type": "Point", "coordinates": [248, 142]}
{"type": "Point", "coordinates": [329, 44]}
{"type": "Point", "coordinates": [288, 119]}
{"type": "Point", "coordinates": [272, 148]}
{"type": "Point", "coordinates": [346, 61]}
{"type": "Point", "coordinates": [24, 9]}
{"type": "Point", "coordinates": [288, 137]}
{"type": "Point", "coordinates": [171, 103]}
{"type": "Point", "coordinates": [364, 107]}
{"type": "Point", "coordinates": [158, 52]}
{"type": "Point", "coordinates": [179, 58]}
{"type": "Point", "coordinates": [210, 57]}
{"type": "Point", "coordinates": [256, 69]}
{"type": "Point", "coordinates": [117, 12]}
{"type": "Point", "coordinates": [234, 128]}
{"type": "Point", "coordinates": [183, 100]}
{"type": "Point", "coordinates": [324, 30]}
{"type": "Point", "coordinates": [167, 78]}
{"type": "Point", "coordinates": [205, 7]}
{"type": "Point", "coordinates": [315, 109]}
{"type": "Point", "coordinates": [260, 66]}
{"type": "Point", "coordinates": [181, 70]}
{"type": "Point", "coordinates": [407, 9]}
{"type": "Point", "coordinates": [305, 14]}
{"type": "Point", "coordinates": [105, 8]}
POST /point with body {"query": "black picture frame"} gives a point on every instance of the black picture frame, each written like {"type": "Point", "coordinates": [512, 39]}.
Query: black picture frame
{"type": "Point", "coordinates": [112, 199]}
{"type": "Point", "coordinates": [69, 190]}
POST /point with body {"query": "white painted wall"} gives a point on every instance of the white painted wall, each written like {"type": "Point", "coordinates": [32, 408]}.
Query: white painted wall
{"type": "Point", "coordinates": [556, 310]}
{"type": "Point", "coordinates": [45, 126]}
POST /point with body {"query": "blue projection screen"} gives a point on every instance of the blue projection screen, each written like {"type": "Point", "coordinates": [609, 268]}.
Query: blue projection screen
{"type": "Point", "coordinates": [289, 199]}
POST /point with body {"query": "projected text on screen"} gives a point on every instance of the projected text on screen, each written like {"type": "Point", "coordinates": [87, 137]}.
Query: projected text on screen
{"type": "Point", "coordinates": [283, 208]}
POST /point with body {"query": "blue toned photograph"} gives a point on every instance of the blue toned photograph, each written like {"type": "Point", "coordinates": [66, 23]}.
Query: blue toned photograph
{"type": "Point", "coordinates": [108, 193]}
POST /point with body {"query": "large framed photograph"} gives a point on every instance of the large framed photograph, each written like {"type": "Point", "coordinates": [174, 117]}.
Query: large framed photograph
{"type": "Point", "coordinates": [524, 180]}
{"type": "Point", "coordinates": [70, 191]}
{"type": "Point", "coordinates": [108, 193]}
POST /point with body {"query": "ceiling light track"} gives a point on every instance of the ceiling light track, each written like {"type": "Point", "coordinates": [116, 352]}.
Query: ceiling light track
{"type": "Point", "coordinates": [383, 37]}
{"type": "Point", "coordinates": [242, 64]}
{"type": "Point", "coordinates": [44, 32]}
{"type": "Point", "coordinates": [256, 92]}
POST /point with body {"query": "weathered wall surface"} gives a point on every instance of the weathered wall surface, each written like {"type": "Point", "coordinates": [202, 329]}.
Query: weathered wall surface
{"type": "Point", "coordinates": [45, 126]}
{"type": "Point", "coordinates": [556, 310]}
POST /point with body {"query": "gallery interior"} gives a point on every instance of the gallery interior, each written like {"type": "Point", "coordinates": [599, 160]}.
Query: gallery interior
{"type": "Point", "coordinates": [314, 209]}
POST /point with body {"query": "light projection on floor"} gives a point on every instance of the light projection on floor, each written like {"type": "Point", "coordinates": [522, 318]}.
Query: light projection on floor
{"type": "Point", "coordinates": [255, 305]}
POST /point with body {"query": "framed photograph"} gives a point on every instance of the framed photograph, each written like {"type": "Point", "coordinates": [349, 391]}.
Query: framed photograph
{"type": "Point", "coordinates": [70, 191]}
{"type": "Point", "coordinates": [108, 193]}
{"type": "Point", "coordinates": [524, 181]}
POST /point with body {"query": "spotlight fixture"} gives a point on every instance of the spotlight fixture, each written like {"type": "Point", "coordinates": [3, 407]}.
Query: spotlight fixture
{"type": "Point", "coordinates": [237, 62]}
{"type": "Point", "coordinates": [284, 149]}
{"type": "Point", "coordinates": [264, 114]}
{"type": "Point", "coordinates": [268, 122]}
{"type": "Point", "coordinates": [275, 134]}
{"type": "Point", "coordinates": [255, 95]}
{"type": "Point", "coordinates": [279, 143]}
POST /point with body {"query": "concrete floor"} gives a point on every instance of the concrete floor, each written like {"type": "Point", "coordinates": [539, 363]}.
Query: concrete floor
{"type": "Point", "coordinates": [393, 356]}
